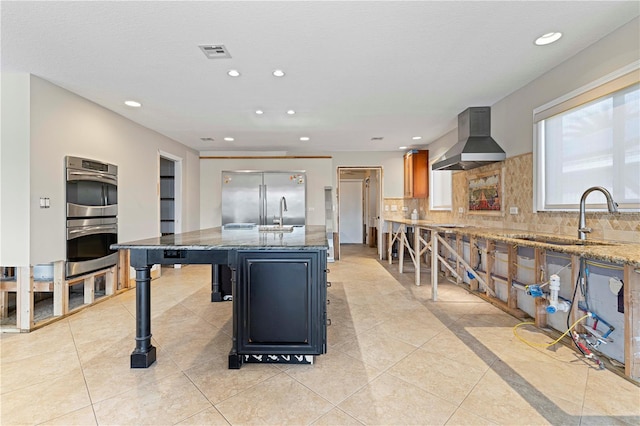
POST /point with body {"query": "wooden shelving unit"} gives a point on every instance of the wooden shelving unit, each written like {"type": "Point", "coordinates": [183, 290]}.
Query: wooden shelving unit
{"type": "Point", "coordinates": [167, 198]}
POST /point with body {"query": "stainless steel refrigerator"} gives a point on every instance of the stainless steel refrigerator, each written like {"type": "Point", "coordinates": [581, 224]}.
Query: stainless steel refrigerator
{"type": "Point", "coordinates": [257, 197]}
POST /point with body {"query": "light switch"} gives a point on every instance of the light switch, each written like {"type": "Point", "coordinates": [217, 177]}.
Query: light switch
{"type": "Point", "coordinates": [513, 210]}
{"type": "Point", "coordinates": [394, 208]}
{"type": "Point", "coordinates": [386, 208]}
{"type": "Point", "coordinates": [460, 209]}
{"type": "Point", "coordinates": [44, 203]}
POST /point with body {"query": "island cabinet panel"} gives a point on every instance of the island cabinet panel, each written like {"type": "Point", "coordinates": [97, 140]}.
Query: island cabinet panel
{"type": "Point", "coordinates": [281, 302]}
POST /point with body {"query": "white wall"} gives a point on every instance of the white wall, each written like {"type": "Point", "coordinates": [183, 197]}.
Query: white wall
{"type": "Point", "coordinates": [321, 172]}
{"type": "Point", "coordinates": [318, 170]}
{"type": "Point", "coordinates": [63, 123]}
{"type": "Point", "coordinates": [512, 116]}
{"type": "Point", "coordinates": [14, 170]}
{"type": "Point", "coordinates": [392, 168]}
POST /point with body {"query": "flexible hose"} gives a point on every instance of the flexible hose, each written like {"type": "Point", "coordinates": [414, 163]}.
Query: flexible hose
{"type": "Point", "coordinates": [543, 345]}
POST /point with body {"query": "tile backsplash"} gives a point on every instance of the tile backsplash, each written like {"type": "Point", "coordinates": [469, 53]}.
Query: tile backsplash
{"type": "Point", "coordinates": [518, 192]}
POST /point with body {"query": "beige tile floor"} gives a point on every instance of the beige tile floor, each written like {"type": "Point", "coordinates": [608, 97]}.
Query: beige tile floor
{"type": "Point", "coordinates": [394, 358]}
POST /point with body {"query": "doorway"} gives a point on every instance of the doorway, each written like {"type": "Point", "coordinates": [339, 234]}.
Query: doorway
{"type": "Point", "coordinates": [170, 194]}
{"type": "Point", "coordinates": [359, 207]}
{"type": "Point", "coordinates": [167, 197]}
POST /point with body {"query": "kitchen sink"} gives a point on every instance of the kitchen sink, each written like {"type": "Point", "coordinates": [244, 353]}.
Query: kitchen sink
{"type": "Point", "coordinates": [558, 241]}
{"type": "Point", "coordinates": [275, 228]}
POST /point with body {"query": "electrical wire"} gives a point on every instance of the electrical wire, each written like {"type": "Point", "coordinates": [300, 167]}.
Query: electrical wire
{"type": "Point", "coordinates": [573, 300]}
{"type": "Point", "coordinates": [543, 345]}
{"type": "Point", "coordinates": [557, 256]}
{"type": "Point", "coordinates": [604, 266]}
{"type": "Point", "coordinates": [531, 268]}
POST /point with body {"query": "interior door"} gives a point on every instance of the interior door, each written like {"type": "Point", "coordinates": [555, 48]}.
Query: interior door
{"type": "Point", "coordinates": [351, 223]}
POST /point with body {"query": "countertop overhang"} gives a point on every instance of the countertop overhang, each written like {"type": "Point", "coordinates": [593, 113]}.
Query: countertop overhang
{"type": "Point", "coordinates": [619, 252]}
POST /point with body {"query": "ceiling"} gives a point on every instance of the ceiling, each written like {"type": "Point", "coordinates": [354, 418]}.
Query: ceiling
{"type": "Point", "coordinates": [355, 70]}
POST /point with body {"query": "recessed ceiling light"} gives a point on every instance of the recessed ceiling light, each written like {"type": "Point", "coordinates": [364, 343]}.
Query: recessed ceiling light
{"type": "Point", "coordinates": [133, 104]}
{"type": "Point", "coordinates": [548, 38]}
{"type": "Point", "coordinates": [416, 138]}
{"type": "Point", "coordinates": [278, 73]}
{"type": "Point", "coordinates": [234, 73]}
{"type": "Point", "coordinates": [229, 139]}
{"type": "Point", "coordinates": [259, 112]}
{"type": "Point", "coordinates": [402, 147]}
{"type": "Point", "coordinates": [304, 138]}
{"type": "Point", "coordinates": [291, 112]}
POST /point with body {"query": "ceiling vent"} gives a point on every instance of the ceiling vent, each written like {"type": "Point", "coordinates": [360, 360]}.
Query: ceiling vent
{"type": "Point", "coordinates": [207, 139]}
{"type": "Point", "coordinates": [215, 51]}
{"type": "Point", "coordinates": [377, 138]}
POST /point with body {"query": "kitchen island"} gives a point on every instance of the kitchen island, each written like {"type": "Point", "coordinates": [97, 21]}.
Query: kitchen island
{"type": "Point", "coordinates": [279, 280]}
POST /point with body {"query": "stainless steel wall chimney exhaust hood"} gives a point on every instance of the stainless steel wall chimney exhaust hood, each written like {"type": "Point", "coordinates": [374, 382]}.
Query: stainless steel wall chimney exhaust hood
{"type": "Point", "coordinates": [475, 145]}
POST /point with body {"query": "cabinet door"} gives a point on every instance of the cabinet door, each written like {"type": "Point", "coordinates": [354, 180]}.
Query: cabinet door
{"type": "Point", "coordinates": [408, 175]}
{"type": "Point", "coordinates": [280, 302]}
{"type": "Point", "coordinates": [420, 174]}
{"type": "Point", "coordinates": [416, 174]}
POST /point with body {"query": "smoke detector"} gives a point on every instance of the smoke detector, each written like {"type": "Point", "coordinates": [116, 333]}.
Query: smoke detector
{"type": "Point", "coordinates": [215, 51]}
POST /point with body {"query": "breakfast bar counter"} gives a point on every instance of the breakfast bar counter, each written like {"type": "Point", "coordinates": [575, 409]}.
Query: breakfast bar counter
{"type": "Point", "coordinates": [272, 268]}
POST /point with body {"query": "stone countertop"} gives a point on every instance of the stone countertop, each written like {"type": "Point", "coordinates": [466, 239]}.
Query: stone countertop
{"type": "Point", "coordinates": [225, 239]}
{"type": "Point", "coordinates": [619, 252]}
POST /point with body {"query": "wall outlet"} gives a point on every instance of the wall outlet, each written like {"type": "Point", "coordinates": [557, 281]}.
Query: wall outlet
{"type": "Point", "coordinates": [460, 209]}
{"type": "Point", "coordinates": [394, 208]}
{"type": "Point", "coordinates": [405, 208]}
{"type": "Point", "coordinates": [513, 210]}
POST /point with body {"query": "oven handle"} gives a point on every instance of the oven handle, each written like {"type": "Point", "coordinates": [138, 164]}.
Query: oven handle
{"type": "Point", "coordinates": [77, 175]}
{"type": "Point", "coordinates": [90, 230]}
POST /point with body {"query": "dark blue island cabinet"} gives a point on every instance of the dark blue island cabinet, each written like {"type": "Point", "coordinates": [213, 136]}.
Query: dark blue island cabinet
{"type": "Point", "coordinates": [280, 300]}
{"type": "Point", "coordinates": [279, 284]}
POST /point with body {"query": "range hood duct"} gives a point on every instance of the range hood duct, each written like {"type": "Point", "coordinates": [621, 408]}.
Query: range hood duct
{"type": "Point", "coordinates": [475, 145]}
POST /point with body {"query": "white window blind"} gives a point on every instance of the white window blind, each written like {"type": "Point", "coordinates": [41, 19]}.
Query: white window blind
{"type": "Point", "coordinates": [590, 139]}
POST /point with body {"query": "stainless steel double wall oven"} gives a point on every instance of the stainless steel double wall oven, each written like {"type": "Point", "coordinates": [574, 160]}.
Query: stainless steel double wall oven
{"type": "Point", "coordinates": [92, 210]}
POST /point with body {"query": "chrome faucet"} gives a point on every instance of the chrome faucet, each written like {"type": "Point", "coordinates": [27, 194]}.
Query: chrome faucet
{"type": "Point", "coordinates": [283, 208]}
{"type": "Point", "coordinates": [611, 205]}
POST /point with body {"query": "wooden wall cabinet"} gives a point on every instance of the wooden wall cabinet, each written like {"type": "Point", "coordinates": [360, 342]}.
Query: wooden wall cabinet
{"type": "Point", "coordinates": [416, 174]}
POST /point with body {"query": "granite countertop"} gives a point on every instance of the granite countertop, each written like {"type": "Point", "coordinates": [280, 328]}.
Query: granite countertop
{"type": "Point", "coordinates": [225, 239]}
{"type": "Point", "coordinates": [610, 251]}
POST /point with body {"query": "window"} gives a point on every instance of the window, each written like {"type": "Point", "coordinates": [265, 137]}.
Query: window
{"type": "Point", "coordinates": [440, 191]}
{"type": "Point", "coordinates": [591, 138]}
